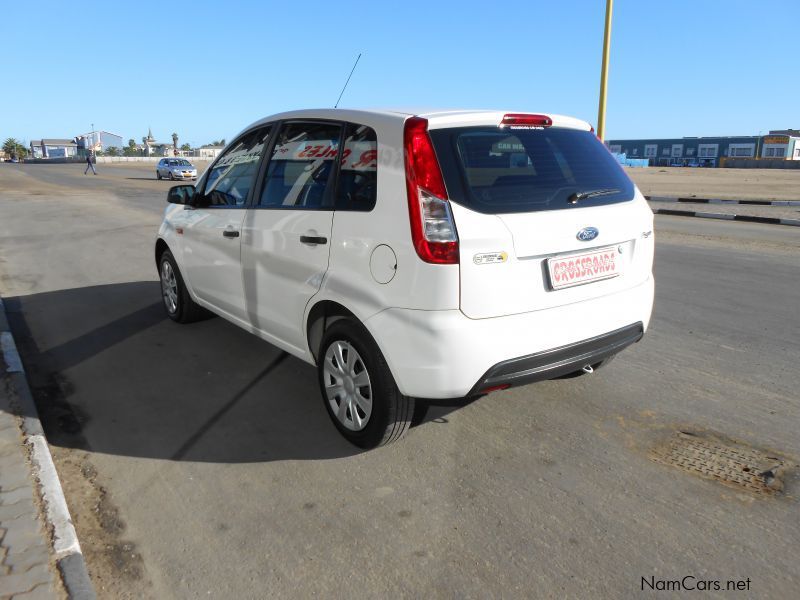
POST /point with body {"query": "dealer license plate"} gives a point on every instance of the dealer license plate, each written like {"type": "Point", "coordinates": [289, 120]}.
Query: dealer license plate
{"type": "Point", "coordinates": [578, 269]}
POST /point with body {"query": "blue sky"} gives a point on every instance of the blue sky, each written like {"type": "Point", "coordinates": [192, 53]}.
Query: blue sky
{"type": "Point", "coordinates": [206, 69]}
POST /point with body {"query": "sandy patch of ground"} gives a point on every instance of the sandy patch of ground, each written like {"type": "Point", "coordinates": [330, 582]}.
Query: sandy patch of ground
{"type": "Point", "coordinates": [734, 184]}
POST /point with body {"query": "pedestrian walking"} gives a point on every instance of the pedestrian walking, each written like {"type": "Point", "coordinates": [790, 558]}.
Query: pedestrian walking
{"type": "Point", "coordinates": [89, 164]}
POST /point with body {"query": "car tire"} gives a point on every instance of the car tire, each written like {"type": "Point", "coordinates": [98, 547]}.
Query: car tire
{"type": "Point", "coordinates": [178, 304]}
{"type": "Point", "coordinates": [158, 174]}
{"type": "Point", "coordinates": [171, 176]}
{"type": "Point", "coordinates": [367, 422]}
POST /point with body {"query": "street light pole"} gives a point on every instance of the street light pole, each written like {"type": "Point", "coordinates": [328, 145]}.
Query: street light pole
{"type": "Point", "coordinates": [601, 111]}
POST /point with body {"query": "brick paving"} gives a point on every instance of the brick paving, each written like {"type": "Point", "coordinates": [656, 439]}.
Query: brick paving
{"type": "Point", "coordinates": [25, 567]}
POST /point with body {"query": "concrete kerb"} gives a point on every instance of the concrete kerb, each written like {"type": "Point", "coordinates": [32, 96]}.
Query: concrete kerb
{"type": "Point", "coordinates": [65, 546]}
{"type": "Point", "coordinates": [726, 217]}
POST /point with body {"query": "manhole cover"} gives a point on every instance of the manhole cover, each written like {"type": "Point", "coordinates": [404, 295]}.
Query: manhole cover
{"type": "Point", "coordinates": [733, 464]}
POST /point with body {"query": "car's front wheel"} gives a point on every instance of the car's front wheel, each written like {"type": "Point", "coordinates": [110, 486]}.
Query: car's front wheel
{"type": "Point", "coordinates": [178, 303]}
{"type": "Point", "coordinates": [358, 388]}
{"type": "Point", "coordinates": [158, 174]}
{"type": "Point", "coordinates": [171, 176]}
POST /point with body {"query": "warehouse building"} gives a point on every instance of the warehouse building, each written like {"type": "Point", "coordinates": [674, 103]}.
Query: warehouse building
{"type": "Point", "coordinates": [53, 148]}
{"type": "Point", "coordinates": [98, 141]}
{"type": "Point", "coordinates": [710, 151]}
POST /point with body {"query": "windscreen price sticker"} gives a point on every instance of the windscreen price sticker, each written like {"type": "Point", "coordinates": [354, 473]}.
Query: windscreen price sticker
{"type": "Point", "coordinates": [356, 156]}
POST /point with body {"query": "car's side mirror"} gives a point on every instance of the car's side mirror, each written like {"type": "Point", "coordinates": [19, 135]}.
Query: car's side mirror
{"type": "Point", "coordinates": [181, 194]}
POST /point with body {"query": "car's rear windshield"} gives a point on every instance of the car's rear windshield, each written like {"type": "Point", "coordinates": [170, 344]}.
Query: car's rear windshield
{"type": "Point", "coordinates": [509, 169]}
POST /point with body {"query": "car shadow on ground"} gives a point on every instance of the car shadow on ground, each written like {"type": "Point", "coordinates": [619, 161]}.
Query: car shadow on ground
{"type": "Point", "coordinates": [110, 373]}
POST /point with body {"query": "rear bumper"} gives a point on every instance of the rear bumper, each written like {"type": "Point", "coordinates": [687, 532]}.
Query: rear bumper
{"type": "Point", "coordinates": [440, 354]}
{"type": "Point", "coordinates": [558, 361]}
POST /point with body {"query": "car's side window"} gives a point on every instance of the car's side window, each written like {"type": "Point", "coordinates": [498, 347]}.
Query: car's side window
{"type": "Point", "coordinates": [302, 167]}
{"type": "Point", "coordinates": [357, 187]}
{"type": "Point", "coordinates": [230, 178]}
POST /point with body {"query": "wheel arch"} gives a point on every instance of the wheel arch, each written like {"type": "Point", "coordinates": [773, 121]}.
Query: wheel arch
{"type": "Point", "coordinates": [321, 316]}
{"type": "Point", "coordinates": [161, 247]}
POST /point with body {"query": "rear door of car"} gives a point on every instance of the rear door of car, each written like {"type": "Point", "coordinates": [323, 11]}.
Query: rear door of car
{"type": "Point", "coordinates": [287, 231]}
{"type": "Point", "coordinates": [545, 217]}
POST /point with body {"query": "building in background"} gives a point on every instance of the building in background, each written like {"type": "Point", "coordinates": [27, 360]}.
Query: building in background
{"type": "Point", "coordinates": [781, 143]}
{"type": "Point", "coordinates": [208, 151]}
{"type": "Point", "coordinates": [97, 141]}
{"type": "Point", "coordinates": [151, 147]}
{"type": "Point", "coordinates": [710, 151]}
{"type": "Point", "coordinates": [53, 148]}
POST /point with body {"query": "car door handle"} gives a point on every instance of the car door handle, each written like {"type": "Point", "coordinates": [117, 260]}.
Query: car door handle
{"type": "Point", "coordinates": [313, 240]}
{"type": "Point", "coordinates": [229, 233]}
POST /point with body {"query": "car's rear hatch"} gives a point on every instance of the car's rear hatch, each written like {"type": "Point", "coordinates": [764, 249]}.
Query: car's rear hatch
{"type": "Point", "coordinates": [545, 217]}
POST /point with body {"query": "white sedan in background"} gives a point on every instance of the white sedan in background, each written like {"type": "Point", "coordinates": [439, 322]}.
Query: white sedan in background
{"type": "Point", "coordinates": [175, 168]}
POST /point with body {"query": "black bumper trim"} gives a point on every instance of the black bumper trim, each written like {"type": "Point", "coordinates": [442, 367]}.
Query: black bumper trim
{"type": "Point", "coordinates": [559, 361]}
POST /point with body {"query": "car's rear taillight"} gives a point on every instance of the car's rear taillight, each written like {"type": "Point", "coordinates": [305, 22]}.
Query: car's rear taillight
{"type": "Point", "coordinates": [433, 230]}
{"type": "Point", "coordinates": [530, 120]}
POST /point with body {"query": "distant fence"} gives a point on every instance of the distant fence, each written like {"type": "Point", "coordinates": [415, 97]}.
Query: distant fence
{"type": "Point", "coordinates": [119, 159]}
{"type": "Point", "coordinates": [108, 159]}
{"type": "Point", "coordinates": [58, 161]}
{"type": "Point", "coordinates": [758, 163]}
{"type": "Point", "coordinates": [146, 159]}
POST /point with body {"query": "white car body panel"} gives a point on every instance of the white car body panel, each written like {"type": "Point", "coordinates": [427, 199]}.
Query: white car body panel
{"type": "Point", "coordinates": [211, 261]}
{"type": "Point", "coordinates": [519, 284]}
{"type": "Point", "coordinates": [280, 272]}
{"type": "Point", "coordinates": [442, 354]}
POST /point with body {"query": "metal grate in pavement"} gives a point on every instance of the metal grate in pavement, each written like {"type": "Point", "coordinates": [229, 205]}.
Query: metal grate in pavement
{"type": "Point", "coordinates": [732, 464]}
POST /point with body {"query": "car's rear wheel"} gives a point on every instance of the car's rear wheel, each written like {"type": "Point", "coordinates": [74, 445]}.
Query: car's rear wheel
{"type": "Point", "coordinates": [177, 302]}
{"type": "Point", "coordinates": [158, 174]}
{"type": "Point", "coordinates": [358, 389]}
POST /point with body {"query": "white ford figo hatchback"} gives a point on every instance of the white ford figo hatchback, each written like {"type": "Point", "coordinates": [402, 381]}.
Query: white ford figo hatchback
{"type": "Point", "coordinates": [414, 256]}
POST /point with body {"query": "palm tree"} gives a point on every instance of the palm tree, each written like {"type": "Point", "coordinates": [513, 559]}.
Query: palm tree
{"type": "Point", "coordinates": [175, 141]}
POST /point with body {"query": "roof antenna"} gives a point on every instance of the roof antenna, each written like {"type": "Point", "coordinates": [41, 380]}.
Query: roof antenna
{"type": "Point", "coordinates": [348, 81]}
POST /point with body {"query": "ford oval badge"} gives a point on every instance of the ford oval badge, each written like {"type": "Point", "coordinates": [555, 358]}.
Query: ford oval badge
{"type": "Point", "coordinates": [587, 234]}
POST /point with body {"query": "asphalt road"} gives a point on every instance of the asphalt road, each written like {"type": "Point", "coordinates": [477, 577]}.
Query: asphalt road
{"type": "Point", "coordinates": [196, 462]}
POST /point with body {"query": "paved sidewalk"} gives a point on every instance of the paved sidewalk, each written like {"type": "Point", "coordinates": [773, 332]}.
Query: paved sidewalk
{"type": "Point", "coordinates": [26, 570]}
{"type": "Point", "coordinates": [40, 556]}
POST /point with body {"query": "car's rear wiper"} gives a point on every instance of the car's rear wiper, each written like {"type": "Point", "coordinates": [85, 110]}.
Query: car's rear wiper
{"type": "Point", "coordinates": [574, 198]}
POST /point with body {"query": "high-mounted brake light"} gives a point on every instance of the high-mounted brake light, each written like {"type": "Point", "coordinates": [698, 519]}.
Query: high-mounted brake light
{"type": "Point", "coordinates": [433, 230]}
{"type": "Point", "coordinates": [523, 119]}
